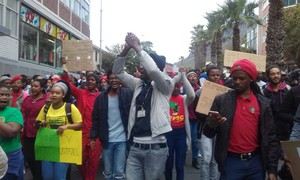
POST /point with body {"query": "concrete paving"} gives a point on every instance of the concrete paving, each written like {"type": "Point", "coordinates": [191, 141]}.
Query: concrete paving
{"type": "Point", "coordinates": [190, 172]}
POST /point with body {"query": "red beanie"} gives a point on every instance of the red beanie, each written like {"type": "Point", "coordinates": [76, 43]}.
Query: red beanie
{"type": "Point", "coordinates": [15, 78]}
{"type": "Point", "coordinates": [246, 66]}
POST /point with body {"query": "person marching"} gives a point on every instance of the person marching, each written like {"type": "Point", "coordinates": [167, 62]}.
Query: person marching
{"type": "Point", "coordinates": [179, 140]}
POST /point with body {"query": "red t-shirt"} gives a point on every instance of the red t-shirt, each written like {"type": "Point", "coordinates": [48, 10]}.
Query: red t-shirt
{"type": "Point", "coordinates": [244, 130]}
{"type": "Point", "coordinates": [177, 111]}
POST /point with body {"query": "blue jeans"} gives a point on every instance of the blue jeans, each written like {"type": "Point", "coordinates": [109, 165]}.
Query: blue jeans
{"type": "Point", "coordinates": [15, 165]}
{"type": "Point", "coordinates": [54, 170]}
{"type": "Point", "coordinates": [295, 134]}
{"type": "Point", "coordinates": [195, 144]}
{"type": "Point", "coordinates": [145, 164]}
{"type": "Point", "coordinates": [209, 166]}
{"type": "Point", "coordinates": [176, 140]}
{"type": "Point", "coordinates": [114, 159]}
{"type": "Point", "coordinates": [237, 169]}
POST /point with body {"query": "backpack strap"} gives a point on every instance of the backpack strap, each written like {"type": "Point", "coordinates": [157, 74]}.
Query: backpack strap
{"type": "Point", "coordinates": [67, 109]}
{"type": "Point", "coordinates": [69, 112]}
{"type": "Point", "coordinates": [46, 108]}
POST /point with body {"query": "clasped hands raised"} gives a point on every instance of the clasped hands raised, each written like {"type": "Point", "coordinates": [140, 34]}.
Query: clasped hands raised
{"type": "Point", "coordinates": [132, 41]}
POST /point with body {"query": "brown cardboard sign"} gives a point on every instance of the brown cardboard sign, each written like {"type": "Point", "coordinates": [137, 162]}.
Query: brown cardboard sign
{"type": "Point", "coordinates": [292, 152]}
{"type": "Point", "coordinates": [258, 60]}
{"type": "Point", "coordinates": [208, 93]}
{"type": "Point", "coordinates": [78, 54]}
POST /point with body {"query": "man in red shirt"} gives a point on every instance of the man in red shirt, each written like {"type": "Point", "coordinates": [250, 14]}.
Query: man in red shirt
{"type": "Point", "coordinates": [247, 146]}
{"type": "Point", "coordinates": [17, 94]}
{"type": "Point", "coordinates": [85, 104]}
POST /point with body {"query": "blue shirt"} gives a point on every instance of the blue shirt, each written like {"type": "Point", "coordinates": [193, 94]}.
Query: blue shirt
{"type": "Point", "coordinates": [115, 127]}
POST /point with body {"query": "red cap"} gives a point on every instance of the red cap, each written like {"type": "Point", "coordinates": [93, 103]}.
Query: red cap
{"type": "Point", "coordinates": [55, 78]}
{"type": "Point", "coordinates": [246, 66]}
{"type": "Point", "coordinates": [103, 77]}
{"type": "Point", "coordinates": [15, 78]}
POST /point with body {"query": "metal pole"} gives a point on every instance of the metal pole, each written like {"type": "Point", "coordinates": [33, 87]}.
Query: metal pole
{"type": "Point", "coordinates": [100, 54]}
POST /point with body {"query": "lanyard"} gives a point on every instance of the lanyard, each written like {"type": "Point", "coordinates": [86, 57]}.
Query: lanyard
{"type": "Point", "coordinates": [145, 97]}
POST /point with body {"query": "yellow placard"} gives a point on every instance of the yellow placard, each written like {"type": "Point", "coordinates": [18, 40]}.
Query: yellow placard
{"type": "Point", "coordinates": [71, 147]}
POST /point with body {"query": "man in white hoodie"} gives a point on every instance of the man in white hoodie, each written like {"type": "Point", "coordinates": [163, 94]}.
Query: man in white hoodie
{"type": "Point", "coordinates": [149, 117]}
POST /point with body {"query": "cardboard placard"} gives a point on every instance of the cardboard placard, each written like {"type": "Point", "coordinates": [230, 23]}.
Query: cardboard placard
{"type": "Point", "coordinates": [258, 60]}
{"type": "Point", "coordinates": [292, 152]}
{"type": "Point", "coordinates": [208, 93]}
{"type": "Point", "coordinates": [78, 54]}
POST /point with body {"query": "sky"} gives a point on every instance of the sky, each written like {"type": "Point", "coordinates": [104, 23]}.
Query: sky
{"type": "Point", "coordinates": [165, 23]}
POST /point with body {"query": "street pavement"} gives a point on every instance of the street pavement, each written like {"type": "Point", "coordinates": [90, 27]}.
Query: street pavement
{"type": "Point", "coordinates": [190, 172]}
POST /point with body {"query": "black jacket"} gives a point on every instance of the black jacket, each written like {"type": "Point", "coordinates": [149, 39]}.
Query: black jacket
{"type": "Point", "coordinates": [290, 105]}
{"type": "Point", "coordinates": [100, 114]}
{"type": "Point", "coordinates": [283, 129]}
{"type": "Point", "coordinates": [225, 104]}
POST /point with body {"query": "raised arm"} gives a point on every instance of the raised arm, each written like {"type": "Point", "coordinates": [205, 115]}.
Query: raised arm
{"type": "Point", "coordinates": [76, 92]}
{"type": "Point", "coordinates": [163, 82]}
{"type": "Point", "coordinates": [190, 93]}
{"type": "Point", "coordinates": [118, 69]}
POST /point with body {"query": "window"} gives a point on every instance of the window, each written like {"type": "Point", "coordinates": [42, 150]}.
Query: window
{"type": "Point", "coordinates": [12, 4]}
{"type": "Point", "coordinates": [11, 22]}
{"type": "Point", "coordinates": [11, 17]}
{"type": "Point", "coordinates": [1, 13]}
{"type": "Point", "coordinates": [28, 42]}
{"type": "Point", "coordinates": [76, 7]}
{"type": "Point", "coordinates": [85, 15]}
{"type": "Point", "coordinates": [46, 49]}
{"type": "Point", "coordinates": [264, 37]}
{"type": "Point", "coordinates": [67, 2]}
{"type": "Point", "coordinates": [85, 11]}
{"type": "Point", "coordinates": [289, 2]}
{"type": "Point", "coordinates": [58, 53]}
{"type": "Point", "coordinates": [265, 4]}
{"type": "Point", "coordinates": [265, 20]}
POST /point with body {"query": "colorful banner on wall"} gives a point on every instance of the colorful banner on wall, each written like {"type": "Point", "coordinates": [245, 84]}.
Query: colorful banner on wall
{"type": "Point", "coordinates": [47, 27]}
{"type": "Point", "coordinates": [66, 148]}
{"type": "Point", "coordinates": [28, 16]}
{"type": "Point", "coordinates": [61, 34]}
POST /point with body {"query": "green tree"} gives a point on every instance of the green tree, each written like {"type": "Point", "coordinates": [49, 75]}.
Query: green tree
{"type": "Point", "coordinates": [199, 45]}
{"type": "Point", "coordinates": [239, 12]}
{"type": "Point", "coordinates": [292, 29]}
{"type": "Point", "coordinates": [275, 33]}
{"type": "Point", "coordinates": [216, 28]}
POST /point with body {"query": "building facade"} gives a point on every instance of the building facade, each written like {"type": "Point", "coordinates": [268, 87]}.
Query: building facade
{"type": "Point", "coordinates": [32, 32]}
{"type": "Point", "coordinates": [264, 15]}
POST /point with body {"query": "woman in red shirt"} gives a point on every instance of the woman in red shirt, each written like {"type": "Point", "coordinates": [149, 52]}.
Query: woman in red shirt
{"type": "Point", "coordinates": [30, 108]}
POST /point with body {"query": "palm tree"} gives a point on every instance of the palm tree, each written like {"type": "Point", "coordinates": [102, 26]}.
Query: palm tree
{"type": "Point", "coordinates": [199, 45]}
{"type": "Point", "coordinates": [239, 12]}
{"type": "Point", "coordinates": [275, 33]}
{"type": "Point", "coordinates": [216, 21]}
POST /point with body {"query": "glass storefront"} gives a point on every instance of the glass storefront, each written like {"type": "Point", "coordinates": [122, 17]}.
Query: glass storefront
{"type": "Point", "coordinates": [40, 39]}
{"type": "Point", "coordinates": [47, 50]}
{"type": "Point", "coordinates": [29, 42]}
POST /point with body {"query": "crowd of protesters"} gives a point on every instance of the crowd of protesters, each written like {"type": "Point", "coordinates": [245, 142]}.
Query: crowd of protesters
{"type": "Point", "coordinates": [144, 124]}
